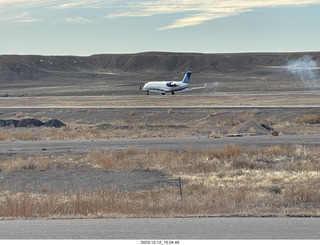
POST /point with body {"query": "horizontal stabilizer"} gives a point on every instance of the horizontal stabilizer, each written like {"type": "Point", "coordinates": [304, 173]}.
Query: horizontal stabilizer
{"type": "Point", "coordinates": [194, 88]}
{"type": "Point", "coordinates": [200, 87]}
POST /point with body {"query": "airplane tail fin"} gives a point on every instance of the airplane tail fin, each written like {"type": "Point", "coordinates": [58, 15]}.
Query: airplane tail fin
{"type": "Point", "coordinates": [187, 76]}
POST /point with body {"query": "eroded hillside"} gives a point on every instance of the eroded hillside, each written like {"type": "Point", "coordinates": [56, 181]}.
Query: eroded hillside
{"type": "Point", "coordinates": [76, 74]}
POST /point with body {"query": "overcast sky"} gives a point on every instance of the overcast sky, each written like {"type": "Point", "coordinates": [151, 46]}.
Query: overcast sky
{"type": "Point", "coordinates": [85, 27]}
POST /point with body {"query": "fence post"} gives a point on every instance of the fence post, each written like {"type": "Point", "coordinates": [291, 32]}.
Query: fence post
{"type": "Point", "coordinates": [180, 187]}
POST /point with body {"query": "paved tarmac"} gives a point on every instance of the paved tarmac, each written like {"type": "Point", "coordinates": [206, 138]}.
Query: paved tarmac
{"type": "Point", "coordinates": [163, 228]}
{"type": "Point", "coordinates": [176, 144]}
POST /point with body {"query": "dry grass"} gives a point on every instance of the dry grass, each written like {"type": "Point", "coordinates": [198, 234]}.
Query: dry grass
{"type": "Point", "coordinates": [42, 162]}
{"type": "Point", "coordinates": [227, 158]}
{"type": "Point", "coordinates": [118, 129]}
{"type": "Point", "coordinates": [309, 119]}
{"type": "Point", "coordinates": [216, 123]}
{"type": "Point", "coordinates": [240, 118]}
{"type": "Point", "coordinates": [279, 181]}
{"type": "Point", "coordinates": [307, 124]}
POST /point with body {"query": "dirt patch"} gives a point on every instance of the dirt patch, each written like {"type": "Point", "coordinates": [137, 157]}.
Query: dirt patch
{"type": "Point", "coordinates": [249, 128]}
{"type": "Point", "coordinates": [84, 179]}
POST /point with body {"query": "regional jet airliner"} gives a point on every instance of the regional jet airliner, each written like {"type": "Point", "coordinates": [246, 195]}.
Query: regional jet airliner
{"type": "Point", "coordinates": [170, 86]}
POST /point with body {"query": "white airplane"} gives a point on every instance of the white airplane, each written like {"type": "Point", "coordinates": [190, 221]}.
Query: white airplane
{"type": "Point", "coordinates": [170, 86]}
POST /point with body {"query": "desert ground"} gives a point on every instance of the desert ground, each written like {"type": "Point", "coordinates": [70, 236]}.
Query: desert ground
{"type": "Point", "coordinates": [267, 96]}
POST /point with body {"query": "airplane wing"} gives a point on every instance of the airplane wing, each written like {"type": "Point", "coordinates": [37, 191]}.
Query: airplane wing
{"type": "Point", "coordinates": [157, 91]}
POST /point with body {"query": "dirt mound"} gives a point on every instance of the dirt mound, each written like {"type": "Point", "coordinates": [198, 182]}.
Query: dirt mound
{"type": "Point", "coordinates": [31, 122]}
{"type": "Point", "coordinates": [249, 128]}
{"type": "Point", "coordinates": [54, 123]}
{"type": "Point", "coordinates": [8, 123]}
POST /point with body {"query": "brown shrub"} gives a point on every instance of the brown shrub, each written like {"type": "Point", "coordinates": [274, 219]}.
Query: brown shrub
{"type": "Point", "coordinates": [309, 119]}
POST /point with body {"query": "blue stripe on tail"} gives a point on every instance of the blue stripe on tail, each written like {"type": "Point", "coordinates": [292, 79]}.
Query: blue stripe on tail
{"type": "Point", "coordinates": [186, 78]}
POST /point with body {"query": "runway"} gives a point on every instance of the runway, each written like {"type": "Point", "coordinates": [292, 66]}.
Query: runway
{"type": "Point", "coordinates": [175, 144]}
{"type": "Point", "coordinates": [206, 100]}
{"type": "Point", "coordinates": [163, 228]}
{"type": "Point", "coordinates": [306, 106]}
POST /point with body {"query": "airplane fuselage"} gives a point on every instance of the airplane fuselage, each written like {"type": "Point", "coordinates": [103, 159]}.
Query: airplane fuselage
{"type": "Point", "coordinates": [169, 86]}
{"type": "Point", "coordinates": [165, 86]}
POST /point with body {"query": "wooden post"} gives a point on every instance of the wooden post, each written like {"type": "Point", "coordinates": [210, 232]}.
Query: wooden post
{"type": "Point", "coordinates": [180, 187]}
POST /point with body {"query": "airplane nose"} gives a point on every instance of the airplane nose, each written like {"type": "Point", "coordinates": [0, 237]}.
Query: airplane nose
{"type": "Point", "coordinates": [143, 86]}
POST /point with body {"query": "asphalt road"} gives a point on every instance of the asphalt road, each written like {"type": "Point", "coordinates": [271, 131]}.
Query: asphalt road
{"type": "Point", "coordinates": [177, 144]}
{"type": "Point", "coordinates": [163, 228]}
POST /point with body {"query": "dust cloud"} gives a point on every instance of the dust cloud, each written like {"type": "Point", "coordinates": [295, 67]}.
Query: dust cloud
{"type": "Point", "coordinates": [305, 68]}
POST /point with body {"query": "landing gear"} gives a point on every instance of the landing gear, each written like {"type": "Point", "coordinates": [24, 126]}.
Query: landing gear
{"type": "Point", "coordinates": [173, 93]}
{"type": "Point", "coordinates": [148, 92]}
